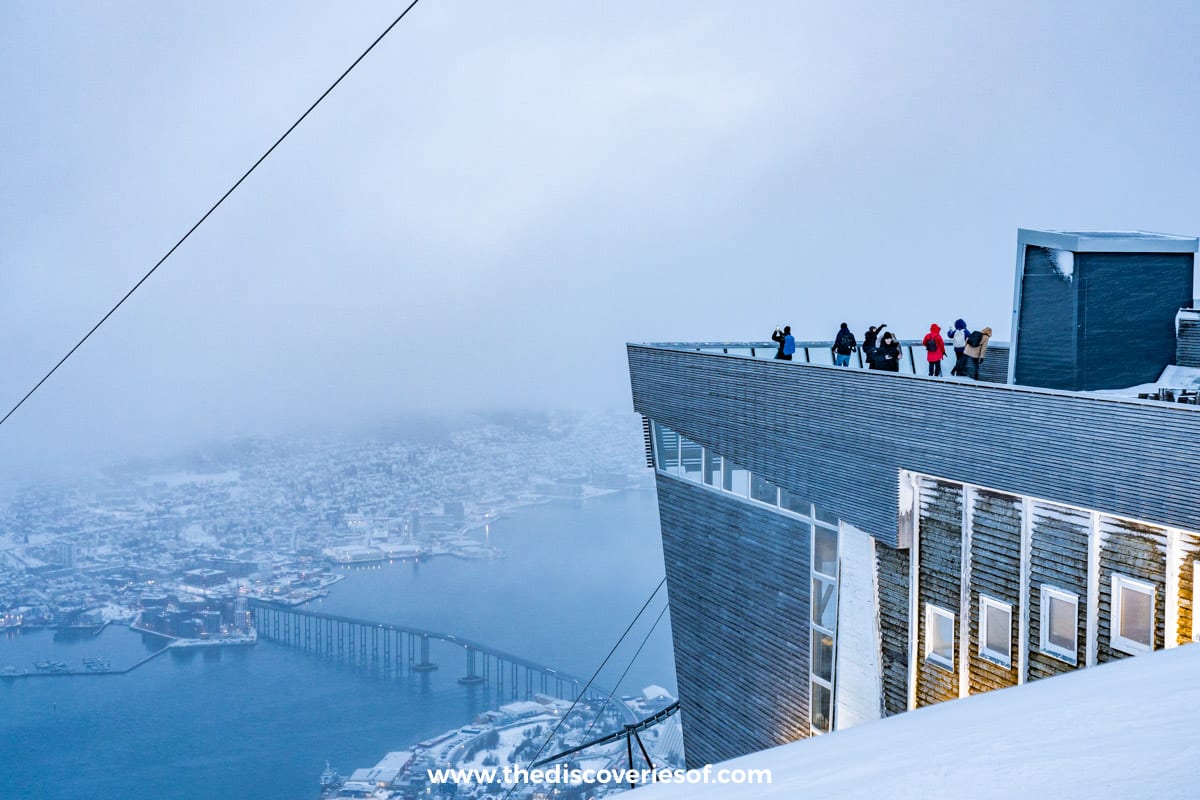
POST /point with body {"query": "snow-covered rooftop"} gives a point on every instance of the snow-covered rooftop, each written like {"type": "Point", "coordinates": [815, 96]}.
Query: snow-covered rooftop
{"type": "Point", "coordinates": [1173, 377]}
{"type": "Point", "coordinates": [1109, 241]}
{"type": "Point", "coordinates": [1129, 729]}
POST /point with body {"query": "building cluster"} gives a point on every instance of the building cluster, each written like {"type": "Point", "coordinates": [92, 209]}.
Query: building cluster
{"type": "Point", "coordinates": [270, 518]}
{"type": "Point", "coordinates": [204, 619]}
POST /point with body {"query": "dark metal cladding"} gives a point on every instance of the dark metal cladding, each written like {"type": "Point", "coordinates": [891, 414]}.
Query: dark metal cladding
{"type": "Point", "coordinates": [1049, 335]}
{"type": "Point", "coordinates": [1105, 322]}
{"type": "Point", "coordinates": [738, 579]}
{"type": "Point", "coordinates": [842, 435]}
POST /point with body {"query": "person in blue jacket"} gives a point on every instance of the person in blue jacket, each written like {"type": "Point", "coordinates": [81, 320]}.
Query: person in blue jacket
{"type": "Point", "coordinates": [787, 343]}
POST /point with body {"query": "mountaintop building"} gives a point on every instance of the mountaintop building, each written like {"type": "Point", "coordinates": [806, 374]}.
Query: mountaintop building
{"type": "Point", "coordinates": [845, 544]}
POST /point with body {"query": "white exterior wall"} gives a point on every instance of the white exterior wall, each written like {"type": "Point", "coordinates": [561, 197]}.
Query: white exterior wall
{"type": "Point", "coordinates": [859, 677]}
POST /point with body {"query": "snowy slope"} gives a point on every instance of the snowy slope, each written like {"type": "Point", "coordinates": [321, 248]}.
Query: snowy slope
{"type": "Point", "coordinates": [1125, 730]}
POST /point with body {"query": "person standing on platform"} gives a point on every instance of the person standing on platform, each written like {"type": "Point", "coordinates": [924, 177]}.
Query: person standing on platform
{"type": "Point", "coordinates": [843, 345]}
{"type": "Point", "coordinates": [871, 343]}
{"type": "Point", "coordinates": [977, 344]}
{"type": "Point", "coordinates": [958, 339]}
{"type": "Point", "coordinates": [787, 343]}
{"type": "Point", "coordinates": [887, 355]}
{"type": "Point", "coordinates": [935, 350]}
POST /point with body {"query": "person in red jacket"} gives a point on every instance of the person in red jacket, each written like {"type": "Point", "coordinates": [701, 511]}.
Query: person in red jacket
{"type": "Point", "coordinates": [935, 350]}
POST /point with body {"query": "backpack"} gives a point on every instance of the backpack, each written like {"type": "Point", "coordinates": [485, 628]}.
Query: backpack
{"type": "Point", "coordinates": [931, 343]}
{"type": "Point", "coordinates": [975, 339]}
{"type": "Point", "coordinates": [844, 343]}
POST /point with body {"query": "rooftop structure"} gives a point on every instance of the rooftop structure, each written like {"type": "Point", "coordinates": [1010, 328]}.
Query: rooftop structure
{"type": "Point", "coordinates": [845, 544]}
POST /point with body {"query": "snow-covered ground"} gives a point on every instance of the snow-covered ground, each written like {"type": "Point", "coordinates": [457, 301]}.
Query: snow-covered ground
{"type": "Point", "coordinates": [1130, 729]}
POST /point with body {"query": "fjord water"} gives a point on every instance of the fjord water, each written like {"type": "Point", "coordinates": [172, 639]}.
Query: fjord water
{"type": "Point", "coordinates": [260, 722]}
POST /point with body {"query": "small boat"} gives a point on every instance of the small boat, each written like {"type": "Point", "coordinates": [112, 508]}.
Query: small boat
{"type": "Point", "coordinates": [329, 777]}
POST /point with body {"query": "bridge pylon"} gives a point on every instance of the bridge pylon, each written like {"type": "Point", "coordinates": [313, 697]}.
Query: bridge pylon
{"type": "Point", "coordinates": [424, 665]}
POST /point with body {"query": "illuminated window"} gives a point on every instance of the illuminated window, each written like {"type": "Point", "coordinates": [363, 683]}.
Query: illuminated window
{"type": "Point", "coordinates": [822, 656]}
{"type": "Point", "coordinates": [822, 707]}
{"type": "Point", "coordinates": [939, 637]}
{"type": "Point", "coordinates": [995, 631]}
{"type": "Point", "coordinates": [1132, 624]}
{"type": "Point", "coordinates": [1060, 624]}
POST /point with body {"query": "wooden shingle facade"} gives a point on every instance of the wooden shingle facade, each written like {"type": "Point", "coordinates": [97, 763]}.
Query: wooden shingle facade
{"type": "Point", "coordinates": [1008, 569]}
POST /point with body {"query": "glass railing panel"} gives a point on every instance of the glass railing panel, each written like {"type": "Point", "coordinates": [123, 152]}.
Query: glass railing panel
{"type": "Point", "coordinates": [820, 354]}
{"type": "Point", "coordinates": [765, 351]}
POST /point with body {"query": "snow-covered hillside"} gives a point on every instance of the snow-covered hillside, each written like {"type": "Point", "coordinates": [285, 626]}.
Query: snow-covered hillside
{"type": "Point", "coordinates": [1130, 729]}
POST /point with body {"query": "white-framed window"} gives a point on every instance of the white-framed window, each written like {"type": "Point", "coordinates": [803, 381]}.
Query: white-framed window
{"type": "Point", "coordinates": [737, 479]}
{"type": "Point", "coordinates": [939, 636]}
{"type": "Point", "coordinates": [824, 602]}
{"type": "Point", "coordinates": [691, 457]}
{"type": "Point", "coordinates": [666, 448]}
{"type": "Point", "coordinates": [1060, 624]}
{"type": "Point", "coordinates": [825, 551]}
{"type": "Point", "coordinates": [712, 469]}
{"type": "Point", "coordinates": [794, 503]}
{"type": "Point", "coordinates": [995, 631]}
{"type": "Point", "coordinates": [1131, 629]}
{"type": "Point", "coordinates": [763, 490]}
{"type": "Point", "coordinates": [821, 706]}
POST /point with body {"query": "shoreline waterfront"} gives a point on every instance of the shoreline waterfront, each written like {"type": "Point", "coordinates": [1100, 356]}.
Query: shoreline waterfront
{"type": "Point", "coordinates": [262, 721]}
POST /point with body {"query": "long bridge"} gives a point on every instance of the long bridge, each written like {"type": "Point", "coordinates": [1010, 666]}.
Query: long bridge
{"type": "Point", "coordinates": [401, 649]}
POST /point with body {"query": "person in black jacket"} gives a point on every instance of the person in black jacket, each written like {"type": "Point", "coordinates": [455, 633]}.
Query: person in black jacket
{"type": "Point", "coordinates": [870, 343]}
{"type": "Point", "coordinates": [887, 355]}
{"type": "Point", "coordinates": [843, 346]}
{"type": "Point", "coordinates": [787, 343]}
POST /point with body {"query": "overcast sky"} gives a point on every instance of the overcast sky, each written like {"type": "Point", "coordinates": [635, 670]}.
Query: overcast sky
{"type": "Point", "coordinates": [503, 194]}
